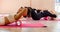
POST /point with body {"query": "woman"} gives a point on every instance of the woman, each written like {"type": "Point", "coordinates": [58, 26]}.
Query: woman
{"type": "Point", "coordinates": [38, 14]}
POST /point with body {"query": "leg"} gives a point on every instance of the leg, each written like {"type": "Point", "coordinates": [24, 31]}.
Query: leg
{"type": "Point", "coordinates": [35, 16]}
{"type": "Point", "coordinates": [47, 13]}
{"type": "Point", "coordinates": [53, 17]}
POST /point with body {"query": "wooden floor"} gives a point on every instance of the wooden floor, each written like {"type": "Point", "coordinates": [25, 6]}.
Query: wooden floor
{"type": "Point", "coordinates": [51, 27]}
{"type": "Point", "coordinates": [10, 30]}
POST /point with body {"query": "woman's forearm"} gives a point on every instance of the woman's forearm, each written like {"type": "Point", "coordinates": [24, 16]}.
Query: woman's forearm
{"type": "Point", "coordinates": [11, 18]}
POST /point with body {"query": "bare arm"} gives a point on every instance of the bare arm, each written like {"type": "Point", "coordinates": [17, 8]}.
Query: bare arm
{"type": "Point", "coordinates": [12, 18]}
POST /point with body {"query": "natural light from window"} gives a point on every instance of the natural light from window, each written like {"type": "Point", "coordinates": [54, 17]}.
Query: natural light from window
{"type": "Point", "coordinates": [57, 5]}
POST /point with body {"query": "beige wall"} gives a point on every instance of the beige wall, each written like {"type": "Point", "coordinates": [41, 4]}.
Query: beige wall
{"type": "Point", "coordinates": [11, 6]}
{"type": "Point", "coordinates": [43, 4]}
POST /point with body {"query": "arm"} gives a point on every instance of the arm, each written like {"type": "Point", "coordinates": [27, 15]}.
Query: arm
{"type": "Point", "coordinates": [12, 18]}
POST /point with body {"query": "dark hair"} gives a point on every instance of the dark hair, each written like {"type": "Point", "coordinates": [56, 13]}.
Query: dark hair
{"type": "Point", "coordinates": [21, 7]}
{"type": "Point", "coordinates": [34, 9]}
{"type": "Point", "coordinates": [38, 11]}
{"type": "Point", "coordinates": [26, 7]}
{"type": "Point", "coordinates": [45, 10]}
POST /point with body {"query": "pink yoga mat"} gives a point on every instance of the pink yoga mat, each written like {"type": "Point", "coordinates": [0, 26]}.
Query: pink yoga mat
{"type": "Point", "coordinates": [32, 25]}
{"type": "Point", "coordinates": [27, 24]}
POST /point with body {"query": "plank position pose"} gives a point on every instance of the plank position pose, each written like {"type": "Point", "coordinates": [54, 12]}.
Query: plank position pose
{"type": "Point", "coordinates": [12, 18]}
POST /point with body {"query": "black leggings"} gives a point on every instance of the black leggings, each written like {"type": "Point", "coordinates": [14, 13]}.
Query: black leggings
{"type": "Point", "coordinates": [47, 13]}
{"type": "Point", "coordinates": [38, 16]}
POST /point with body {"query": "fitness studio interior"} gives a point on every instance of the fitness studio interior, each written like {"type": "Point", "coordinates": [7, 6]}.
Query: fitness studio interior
{"type": "Point", "coordinates": [29, 15]}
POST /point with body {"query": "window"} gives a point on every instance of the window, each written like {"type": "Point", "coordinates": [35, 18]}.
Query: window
{"type": "Point", "coordinates": [57, 6]}
{"type": "Point", "coordinates": [57, 1]}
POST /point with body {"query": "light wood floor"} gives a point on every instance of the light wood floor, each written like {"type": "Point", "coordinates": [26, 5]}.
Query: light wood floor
{"type": "Point", "coordinates": [52, 27]}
